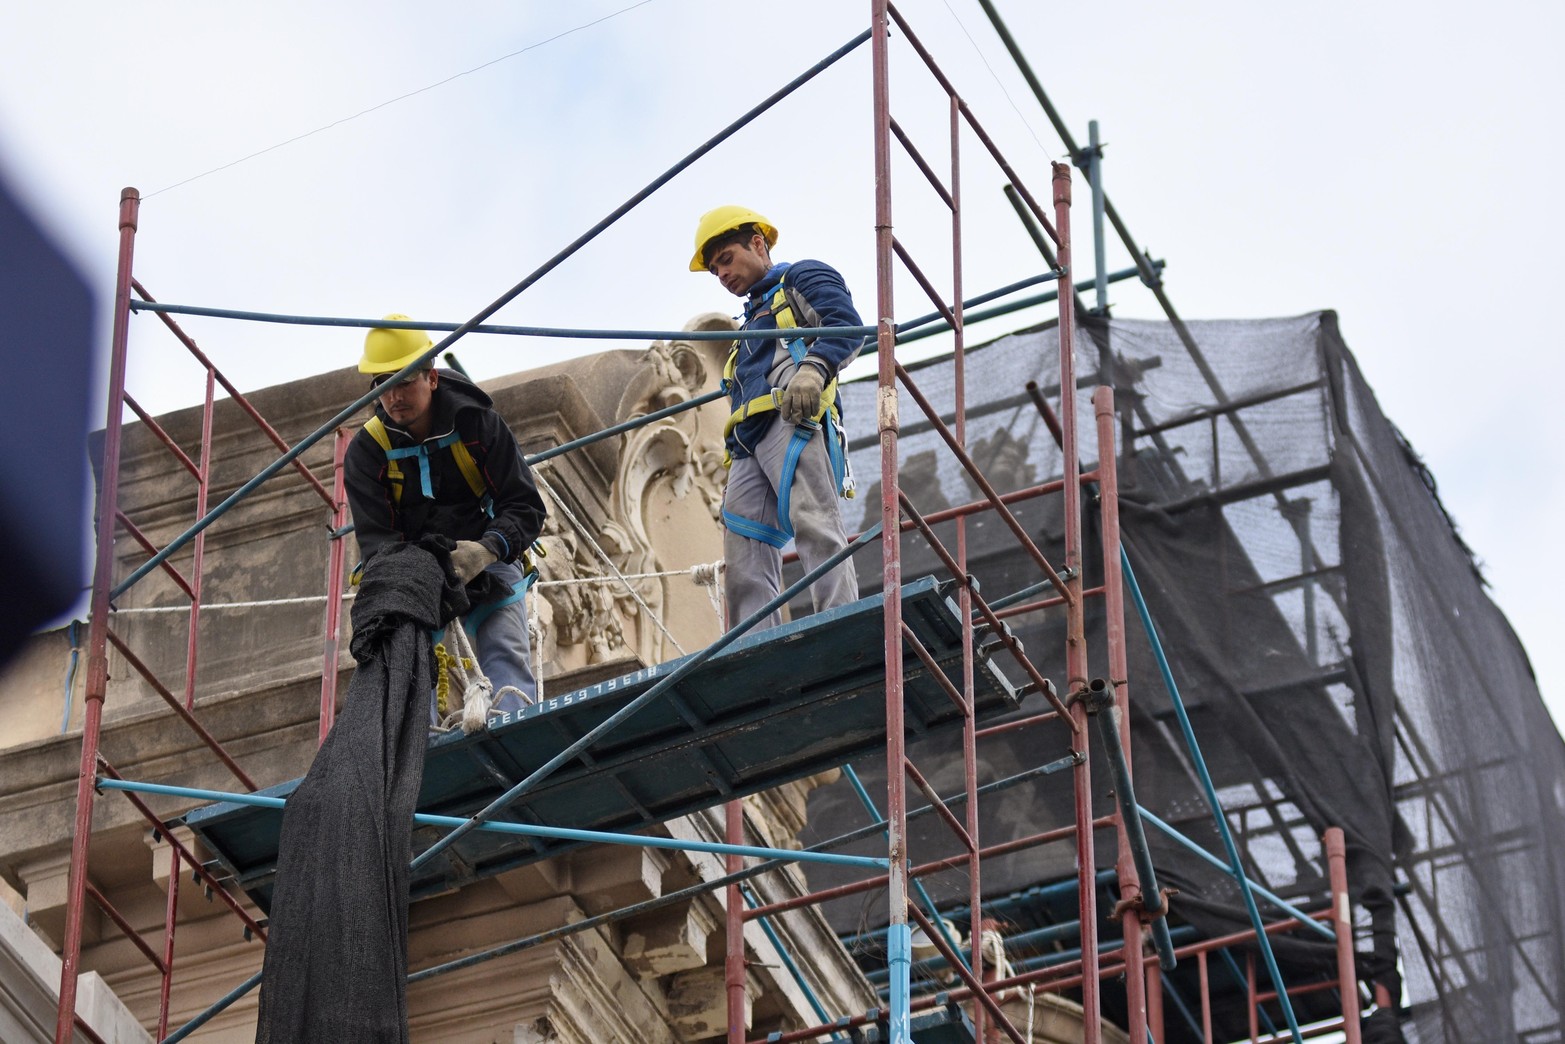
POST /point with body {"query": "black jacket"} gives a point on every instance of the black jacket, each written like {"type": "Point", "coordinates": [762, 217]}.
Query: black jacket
{"type": "Point", "coordinates": [454, 512]}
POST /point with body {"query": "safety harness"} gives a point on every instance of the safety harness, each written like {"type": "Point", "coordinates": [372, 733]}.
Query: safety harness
{"type": "Point", "coordinates": [461, 658]}
{"type": "Point", "coordinates": [475, 482]}
{"type": "Point", "coordinates": [827, 416]}
{"type": "Point", "coordinates": [459, 452]}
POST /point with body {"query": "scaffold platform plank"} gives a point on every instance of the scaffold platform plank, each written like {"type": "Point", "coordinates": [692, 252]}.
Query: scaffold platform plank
{"type": "Point", "coordinates": [772, 707]}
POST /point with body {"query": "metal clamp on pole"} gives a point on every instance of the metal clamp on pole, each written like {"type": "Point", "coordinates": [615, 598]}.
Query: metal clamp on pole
{"type": "Point", "coordinates": [1099, 699]}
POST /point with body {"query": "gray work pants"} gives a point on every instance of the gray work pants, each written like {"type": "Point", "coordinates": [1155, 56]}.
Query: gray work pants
{"type": "Point", "coordinates": [502, 644]}
{"type": "Point", "coordinates": [503, 647]}
{"type": "Point", "coordinates": [753, 571]}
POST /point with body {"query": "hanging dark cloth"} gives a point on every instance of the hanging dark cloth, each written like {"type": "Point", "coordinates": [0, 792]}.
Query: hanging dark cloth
{"type": "Point", "coordinates": [336, 952]}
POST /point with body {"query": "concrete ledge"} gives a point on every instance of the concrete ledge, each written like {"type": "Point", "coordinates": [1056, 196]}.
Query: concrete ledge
{"type": "Point", "coordinates": [30, 992]}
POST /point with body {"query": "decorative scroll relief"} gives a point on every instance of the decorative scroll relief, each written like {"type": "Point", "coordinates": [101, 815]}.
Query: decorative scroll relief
{"type": "Point", "coordinates": [667, 496]}
{"type": "Point", "coordinates": [679, 371]}
{"type": "Point", "coordinates": [663, 513]}
{"type": "Point", "coordinates": [577, 621]}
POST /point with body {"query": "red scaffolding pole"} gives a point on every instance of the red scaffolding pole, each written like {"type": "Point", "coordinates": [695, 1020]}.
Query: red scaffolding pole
{"type": "Point", "coordinates": [97, 627]}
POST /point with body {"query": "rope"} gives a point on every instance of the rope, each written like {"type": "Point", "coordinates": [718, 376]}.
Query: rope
{"type": "Point", "coordinates": [993, 945]}
{"type": "Point", "coordinates": [306, 599]}
{"type": "Point", "coordinates": [1025, 122]}
{"type": "Point", "coordinates": [700, 574]}
{"type": "Point", "coordinates": [703, 574]}
{"type": "Point", "coordinates": [535, 639]}
{"type": "Point", "coordinates": [706, 575]}
{"type": "Point", "coordinates": [691, 572]}
{"type": "Point", "coordinates": [443, 664]}
{"type": "Point", "coordinates": [478, 693]}
{"type": "Point", "coordinates": [586, 535]}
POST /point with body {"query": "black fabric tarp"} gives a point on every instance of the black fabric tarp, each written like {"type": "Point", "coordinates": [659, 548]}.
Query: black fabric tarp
{"type": "Point", "coordinates": [1340, 660]}
{"type": "Point", "coordinates": [336, 953]}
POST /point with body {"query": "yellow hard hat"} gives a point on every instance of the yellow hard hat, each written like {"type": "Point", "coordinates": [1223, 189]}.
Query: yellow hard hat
{"type": "Point", "coordinates": [387, 351]}
{"type": "Point", "coordinates": [725, 219]}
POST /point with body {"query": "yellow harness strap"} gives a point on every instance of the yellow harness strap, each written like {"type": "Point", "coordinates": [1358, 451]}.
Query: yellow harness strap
{"type": "Point", "coordinates": [377, 431]}
{"type": "Point", "coordinates": [475, 481]}
{"type": "Point", "coordinates": [459, 452]}
{"type": "Point", "coordinates": [469, 468]}
{"type": "Point", "coordinates": [782, 311]}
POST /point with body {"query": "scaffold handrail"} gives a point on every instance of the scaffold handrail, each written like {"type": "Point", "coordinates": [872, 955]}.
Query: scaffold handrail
{"type": "Point", "coordinates": [564, 332]}
{"type": "Point", "coordinates": [519, 829]}
{"type": "Point", "coordinates": [928, 325]}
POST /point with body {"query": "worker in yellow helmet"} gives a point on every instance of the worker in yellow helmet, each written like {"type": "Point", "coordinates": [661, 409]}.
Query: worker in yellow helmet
{"type": "Point", "coordinates": [788, 459]}
{"type": "Point", "coordinates": [437, 460]}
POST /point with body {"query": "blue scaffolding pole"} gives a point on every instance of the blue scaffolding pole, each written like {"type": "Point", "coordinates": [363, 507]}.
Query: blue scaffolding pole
{"type": "Point", "coordinates": [1235, 867]}
{"type": "Point", "coordinates": [522, 829]}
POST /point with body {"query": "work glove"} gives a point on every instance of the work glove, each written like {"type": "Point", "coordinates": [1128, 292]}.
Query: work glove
{"type": "Point", "coordinates": [801, 400]}
{"type": "Point", "coordinates": [468, 559]}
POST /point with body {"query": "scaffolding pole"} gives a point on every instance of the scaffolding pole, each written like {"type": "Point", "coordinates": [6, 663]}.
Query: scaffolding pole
{"type": "Point", "coordinates": [97, 626]}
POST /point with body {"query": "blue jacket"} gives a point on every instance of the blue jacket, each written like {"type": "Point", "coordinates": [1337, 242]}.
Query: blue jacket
{"type": "Point", "coordinates": [821, 299]}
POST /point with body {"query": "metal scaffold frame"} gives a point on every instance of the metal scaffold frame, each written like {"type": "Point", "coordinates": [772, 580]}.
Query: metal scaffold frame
{"type": "Point", "coordinates": [1142, 910]}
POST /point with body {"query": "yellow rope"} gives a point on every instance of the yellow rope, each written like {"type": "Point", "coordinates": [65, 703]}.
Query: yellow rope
{"type": "Point", "coordinates": [445, 663]}
{"type": "Point", "coordinates": [442, 678]}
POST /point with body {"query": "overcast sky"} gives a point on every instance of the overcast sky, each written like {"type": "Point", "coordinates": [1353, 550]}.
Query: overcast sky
{"type": "Point", "coordinates": [1397, 162]}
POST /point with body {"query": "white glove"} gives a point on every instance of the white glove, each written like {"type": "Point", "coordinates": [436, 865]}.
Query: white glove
{"type": "Point", "coordinates": [801, 400]}
{"type": "Point", "coordinates": [468, 559]}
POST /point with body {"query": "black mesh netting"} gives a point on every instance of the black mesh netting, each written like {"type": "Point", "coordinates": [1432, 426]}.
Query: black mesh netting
{"type": "Point", "coordinates": [336, 952]}
{"type": "Point", "coordinates": [1333, 644]}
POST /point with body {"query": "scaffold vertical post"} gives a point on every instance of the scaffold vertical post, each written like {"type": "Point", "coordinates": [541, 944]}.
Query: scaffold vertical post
{"type": "Point", "coordinates": [1342, 924]}
{"type": "Point", "coordinates": [964, 593]}
{"type": "Point", "coordinates": [203, 485]}
{"type": "Point", "coordinates": [170, 916]}
{"type": "Point", "coordinates": [1119, 673]}
{"type": "Point", "coordinates": [733, 960]}
{"type": "Point", "coordinates": [898, 936]}
{"type": "Point", "coordinates": [98, 625]}
{"type": "Point", "coordinates": [1154, 1005]}
{"type": "Point", "coordinates": [1075, 626]}
{"type": "Point", "coordinates": [1250, 997]}
{"type": "Point", "coordinates": [335, 560]}
{"type": "Point", "coordinates": [1100, 278]}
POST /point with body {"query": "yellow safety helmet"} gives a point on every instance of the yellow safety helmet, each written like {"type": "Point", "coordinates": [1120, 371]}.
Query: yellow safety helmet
{"type": "Point", "coordinates": [725, 219]}
{"type": "Point", "coordinates": [387, 351]}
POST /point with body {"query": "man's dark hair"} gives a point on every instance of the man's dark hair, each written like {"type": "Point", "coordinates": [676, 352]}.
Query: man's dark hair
{"type": "Point", "coordinates": [739, 235]}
